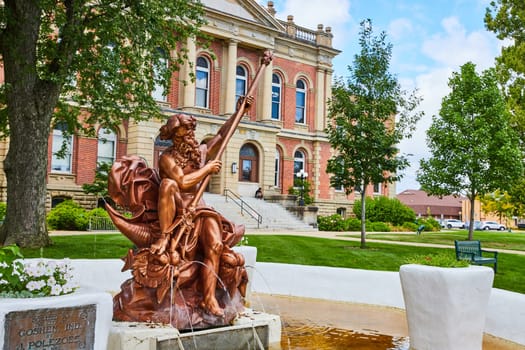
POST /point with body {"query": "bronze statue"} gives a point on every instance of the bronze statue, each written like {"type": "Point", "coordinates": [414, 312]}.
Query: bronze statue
{"type": "Point", "coordinates": [184, 269]}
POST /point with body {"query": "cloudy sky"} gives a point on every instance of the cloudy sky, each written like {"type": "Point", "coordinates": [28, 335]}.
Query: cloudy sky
{"type": "Point", "coordinates": [431, 39]}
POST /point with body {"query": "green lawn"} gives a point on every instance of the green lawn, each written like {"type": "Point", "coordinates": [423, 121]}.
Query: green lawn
{"type": "Point", "coordinates": [292, 250]}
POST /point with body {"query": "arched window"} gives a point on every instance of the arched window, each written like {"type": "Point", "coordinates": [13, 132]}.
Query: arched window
{"type": "Point", "coordinates": [248, 160]}
{"type": "Point", "coordinates": [276, 97]}
{"type": "Point", "coordinates": [299, 162]}
{"type": "Point", "coordinates": [159, 93]}
{"type": "Point", "coordinates": [107, 146]}
{"type": "Point", "coordinates": [241, 78]}
{"type": "Point", "coordinates": [277, 174]}
{"type": "Point", "coordinates": [56, 200]}
{"type": "Point", "coordinates": [62, 149]}
{"type": "Point", "coordinates": [300, 102]}
{"type": "Point", "coordinates": [202, 83]}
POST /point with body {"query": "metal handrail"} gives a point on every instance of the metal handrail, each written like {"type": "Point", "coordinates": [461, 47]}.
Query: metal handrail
{"type": "Point", "coordinates": [245, 207]}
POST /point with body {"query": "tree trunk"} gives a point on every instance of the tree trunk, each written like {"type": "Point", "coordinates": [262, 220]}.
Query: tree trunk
{"type": "Point", "coordinates": [363, 217]}
{"type": "Point", "coordinates": [30, 104]}
{"type": "Point", "coordinates": [472, 200]}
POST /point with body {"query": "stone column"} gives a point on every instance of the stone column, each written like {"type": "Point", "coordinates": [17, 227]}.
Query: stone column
{"type": "Point", "coordinates": [188, 99]}
{"type": "Point", "coordinates": [229, 106]}
{"type": "Point", "coordinates": [320, 100]}
{"type": "Point", "coordinates": [328, 92]}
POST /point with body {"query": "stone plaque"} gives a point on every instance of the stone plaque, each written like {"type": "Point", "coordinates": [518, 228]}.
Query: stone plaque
{"type": "Point", "coordinates": [68, 328]}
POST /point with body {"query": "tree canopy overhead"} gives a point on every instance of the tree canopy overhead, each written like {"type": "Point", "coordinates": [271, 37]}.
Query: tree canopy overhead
{"type": "Point", "coordinates": [370, 114]}
{"type": "Point", "coordinates": [506, 18]}
{"type": "Point", "coordinates": [62, 56]}
{"type": "Point", "coordinates": [474, 149]}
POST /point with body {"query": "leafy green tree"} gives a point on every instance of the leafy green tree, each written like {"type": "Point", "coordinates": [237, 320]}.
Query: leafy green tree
{"type": "Point", "coordinates": [506, 18]}
{"type": "Point", "coordinates": [517, 197]}
{"type": "Point", "coordinates": [370, 115]}
{"type": "Point", "coordinates": [499, 203]}
{"type": "Point", "coordinates": [62, 56]}
{"type": "Point", "coordinates": [474, 149]}
{"type": "Point", "coordinates": [99, 187]}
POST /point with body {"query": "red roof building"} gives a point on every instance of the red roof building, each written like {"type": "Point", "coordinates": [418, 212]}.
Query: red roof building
{"type": "Point", "coordinates": [446, 207]}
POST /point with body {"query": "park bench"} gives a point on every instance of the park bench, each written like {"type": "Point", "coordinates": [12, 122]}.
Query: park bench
{"type": "Point", "coordinates": [471, 251]}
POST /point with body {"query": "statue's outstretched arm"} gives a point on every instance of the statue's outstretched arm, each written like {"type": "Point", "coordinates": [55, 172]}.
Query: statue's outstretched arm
{"type": "Point", "coordinates": [169, 168]}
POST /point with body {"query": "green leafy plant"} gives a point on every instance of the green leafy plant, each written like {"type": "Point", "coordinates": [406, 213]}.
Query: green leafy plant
{"type": "Point", "coordinates": [21, 278]}
{"type": "Point", "coordinates": [439, 259]}
{"type": "Point", "coordinates": [296, 190]}
{"type": "Point", "coordinates": [384, 209]}
{"type": "Point", "coordinates": [409, 227]}
{"type": "Point", "coordinates": [68, 215]}
{"type": "Point", "coordinates": [99, 187]}
{"type": "Point", "coordinates": [98, 212]}
{"type": "Point", "coordinates": [378, 227]}
{"type": "Point", "coordinates": [333, 222]}
{"type": "Point", "coordinates": [430, 223]}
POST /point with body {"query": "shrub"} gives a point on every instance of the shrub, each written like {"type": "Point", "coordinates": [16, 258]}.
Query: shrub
{"type": "Point", "coordinates": [353, 224]}
{"type": "Point", "coordinates": [68, 215]}
{"type": "Point", "coordinates": [440, 260]}
{"type": "Point", "coordinates": [409, 226]}
{"type": "Point", "coordinates": [430, 223]}
{"type": "Point", "coordinates": [98, 212]}
{"type": "Point", "coordinates": [331, 223]}
{"type": "Point", "coordinates": [384, 209]}
{"type": "Point", "coordinates": [377, 227]}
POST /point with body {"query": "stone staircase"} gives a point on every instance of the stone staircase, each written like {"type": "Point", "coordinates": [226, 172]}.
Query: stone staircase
{"type": "Point", "coordinates": [274, 216]}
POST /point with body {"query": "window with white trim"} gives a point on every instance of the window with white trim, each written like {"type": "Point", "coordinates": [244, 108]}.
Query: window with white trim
{"type": "Point", "coordinates": [107, 146]}
{"type": "Point", "coordinates": [62, 150]}
{"type": "Point", "coordinates": [277, 173]}
{"type": "Point", "coordinates": [202, 83]}
{"type": "Point", "coordinates": [241, 79]}
{"type": "Point", "coordinates": [276, 97]}
{"type": "Point", "coordinates": [300, 102]}
{"type": "Point", "coordinates": [299, 162]}
{"type": "Point", "coordinates": [159, 93]}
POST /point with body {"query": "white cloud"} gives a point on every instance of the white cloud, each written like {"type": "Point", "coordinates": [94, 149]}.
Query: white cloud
{"type": "Point", "coordinates": [399, 27]}
{"type": "Point", "coordinates": [447, 51]}
{"type": "Point", "coordinates": [455, 46]}
{"type": "Point", "coordinates": [432, 86]}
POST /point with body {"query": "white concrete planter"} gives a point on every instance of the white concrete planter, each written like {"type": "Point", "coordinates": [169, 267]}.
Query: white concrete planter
{"type": "Point", "coordinates": [446, 307]}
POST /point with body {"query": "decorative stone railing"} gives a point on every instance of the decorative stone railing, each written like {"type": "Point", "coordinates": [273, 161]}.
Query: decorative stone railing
{"type": "Point", "coordinates": [316, 37]}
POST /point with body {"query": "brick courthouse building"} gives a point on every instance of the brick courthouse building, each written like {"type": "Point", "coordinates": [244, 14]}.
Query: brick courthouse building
{"type": "Point", "coordinates": [281, 134]}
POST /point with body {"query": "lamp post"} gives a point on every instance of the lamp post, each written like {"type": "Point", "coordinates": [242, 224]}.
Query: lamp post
{"type": "Point", "coordinates": [303, 175]}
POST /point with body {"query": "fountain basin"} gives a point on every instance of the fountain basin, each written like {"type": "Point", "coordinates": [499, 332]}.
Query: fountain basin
{"type": "Point", "coordinates": [251, 330]}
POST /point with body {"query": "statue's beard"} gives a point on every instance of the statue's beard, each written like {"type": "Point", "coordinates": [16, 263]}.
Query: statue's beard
{"type": "Point", "coordinates": [186, 149]}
